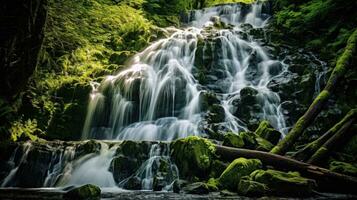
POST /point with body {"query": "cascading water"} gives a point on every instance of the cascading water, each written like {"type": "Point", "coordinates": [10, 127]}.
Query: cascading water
{"type": "Point", "coordinates": [94, 170]}
{"type": "Point", "coordinates": [158, 97]}
{"type": "Point", "coordinates": [9, 178]}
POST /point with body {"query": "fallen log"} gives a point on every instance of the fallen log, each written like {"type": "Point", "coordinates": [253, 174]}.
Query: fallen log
{"type": "Point", "coordinates": [326, 180]}
{"type": "Point", "coordinates": [305, 153]}
{"type": "Point", "coordinates": [342, 66]}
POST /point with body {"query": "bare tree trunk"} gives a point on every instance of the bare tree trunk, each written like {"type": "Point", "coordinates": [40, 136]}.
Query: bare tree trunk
{"type": "Point", "coordinates": [339, 71]}
{"type": "Point", "coordinates": [306, 152]}
{"type": "Point", "coordinates": [326, 179]}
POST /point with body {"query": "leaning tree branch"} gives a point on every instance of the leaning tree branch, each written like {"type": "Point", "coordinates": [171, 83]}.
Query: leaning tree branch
{"type": "Point", "coordinates": [306, 152]}
{"type": "Point", "coordinates": [343, 64]}
{"type": "Point", "coordinates": [340, 138]}
{"type": "Point", "coordinates": [326, 179]}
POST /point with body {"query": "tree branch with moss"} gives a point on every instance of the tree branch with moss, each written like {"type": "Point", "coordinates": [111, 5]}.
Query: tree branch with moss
{"type": "Point", "coordinates": [342, 67]}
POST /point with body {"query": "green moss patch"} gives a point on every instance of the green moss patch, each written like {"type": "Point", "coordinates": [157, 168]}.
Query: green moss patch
{"type": "Point", "coordinates": [193, 156]}
{"type": "Point", "coordinates": [282, 183]}
{"type": "Point", "coordinates": [240, 167]}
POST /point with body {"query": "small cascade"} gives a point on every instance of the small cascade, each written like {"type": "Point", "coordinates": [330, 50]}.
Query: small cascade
{"type": "Point", "coordinates": [321, 75]}
{"type": "Point", "coordinates": [60, 159]}
{"type": "Point", "coordinates": [8, 180]}
{"type": "Point", "coordinates": [92, 168]}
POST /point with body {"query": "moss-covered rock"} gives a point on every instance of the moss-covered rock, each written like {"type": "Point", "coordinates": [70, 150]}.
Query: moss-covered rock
{"type": "Point", "coordinates": [284, 184]}
{"type": "Point", "coordinates": [85, 192]}
{"type": "Point", "coordinates": [263, 144]}
{"type": "Point", "coordinates": [266, 131]}
{"type": "Point", "coordinates": [247, 140]}
{"type": "Point", "coordinates": [343, 167]}
{"type": "Point", "coordinates": [193, 156]}
{"type": "Point", "coordinates": [240, 167]}
{"type": "Point", "coordinates": [248, 187]}
{"type": "Point", "coordinates": [233, 140]}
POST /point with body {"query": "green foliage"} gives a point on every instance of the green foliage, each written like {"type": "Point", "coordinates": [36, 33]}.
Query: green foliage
{"type": "Point", "coordinates": [25, 129]}
{"type": "Point", "coordinates": [82, 39]}
{"type": "Point", "coordinates": [318, 22]}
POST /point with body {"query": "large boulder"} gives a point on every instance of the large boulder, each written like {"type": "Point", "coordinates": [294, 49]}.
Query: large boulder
{"type": "Point", "coordinates": [193, 156]}
{"type": "Point", "coordinates": [85, 192]}
{"type": "Point", "coordinates": [128, 158]}
{"type": "Point", "coordinates": [123, 167]}
{"type": "Point", "coordinates": [239, 168]}
{"type": "Point", "coordinates": [284, 183]}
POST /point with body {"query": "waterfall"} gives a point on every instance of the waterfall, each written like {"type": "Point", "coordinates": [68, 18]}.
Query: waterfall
{"type": "Point", "coordinates": [158, 97]}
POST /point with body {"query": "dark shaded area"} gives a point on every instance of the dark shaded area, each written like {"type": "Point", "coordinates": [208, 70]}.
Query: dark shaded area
{"type": "Point", "coordinates": [21, 35]}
